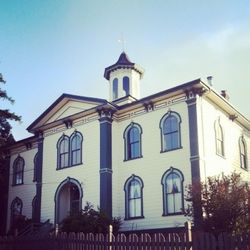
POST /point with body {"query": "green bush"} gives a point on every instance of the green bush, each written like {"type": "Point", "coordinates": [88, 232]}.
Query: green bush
{"type": "Point", "coordinates": [90, 221]}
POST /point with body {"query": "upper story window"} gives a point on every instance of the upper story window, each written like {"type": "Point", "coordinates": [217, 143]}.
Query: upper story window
{"type": "Point", "coordinates": [132, 141]}
{"type": "Point", "coordinates": [219, 139]}
{"type": "Point", "coordinates": [126, 86]}
{"type": "Point", "coordinates": [170, 131]}
{"type": "Point", "coordinates": [18, 168]}
{"type": "Point", "coordinates": [16, 209]}
{"type": "Point", "coordinates": [133, 198]}
{"type": "Point", "coordinates": [115, 88]}
{"type": "Point", "coordinates": [63, 152]}
{"type": "Point", "coordinates": [172, 186]}
{"type": "Point", "coordinates": [243, 153]}
{"type": "Point", "coordinates": [35, 167]}
{"type": "Point", "coordinates": [69, 150]}
{"type": "Point", "coordinates": [76, 148]}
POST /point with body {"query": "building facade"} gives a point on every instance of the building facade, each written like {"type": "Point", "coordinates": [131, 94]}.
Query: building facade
{"type": "Point", "coordinates": [130, 156]}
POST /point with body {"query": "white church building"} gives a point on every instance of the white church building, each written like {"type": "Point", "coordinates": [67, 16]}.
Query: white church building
{"type": "Point", "coordinates": [130, 156]}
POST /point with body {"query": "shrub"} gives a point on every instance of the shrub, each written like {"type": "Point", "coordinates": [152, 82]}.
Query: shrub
{"type": "Point", "coordinates": [90, 221]}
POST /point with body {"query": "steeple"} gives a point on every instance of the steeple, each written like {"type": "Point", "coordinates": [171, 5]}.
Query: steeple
{"type": "Point", "coordinates": [124, 79]}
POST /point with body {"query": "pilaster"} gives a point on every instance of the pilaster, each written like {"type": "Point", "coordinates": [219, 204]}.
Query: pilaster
{"type": "Point", "coordinates": [194, 150]}
{"type": "Point", "coordinates": [39, 168]}
{"type": "Point", "coordinates": [106, 161]}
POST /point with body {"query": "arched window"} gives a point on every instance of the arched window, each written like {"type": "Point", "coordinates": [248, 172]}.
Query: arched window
{"type": "Point", "coordinates": [132, 141]}
{"type": "Point", "coordinates": [133, 198]}
{"type": "Point", "coordinates": [115, 88]}
{"type": "Point", "coordinates": [126, 86]}
{"type": "Point", "coordinates": [76, 148]}
{"type": "Point", "coordinates": [170, 131]}
{"type": "Point", "coordinates": [219, 139]}
{"type": "Point", "coordinates": [18, 168]}
{"type": "Point", "coordinates": [63, 152]}
{"type": "Point", "coordinates": [35, 167]}
{"type": "Point", "coordinates": [16, 209]}
{"type": "Point", "coordinates": [172, 186]}
{"type": "Point", "coordinates": [243, 153]}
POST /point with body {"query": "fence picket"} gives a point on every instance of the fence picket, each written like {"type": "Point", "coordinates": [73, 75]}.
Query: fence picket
{"type": "Point", "coordinates": [156, 241]}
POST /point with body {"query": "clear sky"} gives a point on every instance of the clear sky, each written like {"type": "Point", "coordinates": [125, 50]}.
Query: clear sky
{"type": "Point", "coordinates": [50, 47]}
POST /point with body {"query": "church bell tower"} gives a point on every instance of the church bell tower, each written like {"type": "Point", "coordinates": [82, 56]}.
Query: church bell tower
{"type": "Point", "coordinates": [124, 80]}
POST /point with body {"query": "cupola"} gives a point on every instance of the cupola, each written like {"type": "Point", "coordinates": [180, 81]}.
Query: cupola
{"type": "Point", "coordinates": [124, 80]}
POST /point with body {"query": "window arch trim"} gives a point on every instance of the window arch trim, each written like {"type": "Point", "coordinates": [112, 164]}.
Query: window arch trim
{"type": "Point", "coordinates": [243, 153]}
{"type": "Point", "coordinates": [178, 131]}
{"type": "Point", "coordinates": [127, 190]}
{"type": "Point", "coordinates": [128, 145]}
{"type": "Point", "coordinates": [219, 139]}
{"type": "Point", "coordinates": [169, 172]}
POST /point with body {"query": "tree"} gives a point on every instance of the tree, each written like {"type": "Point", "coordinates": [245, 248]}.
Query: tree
{"type": "Point", "coordinates": [5, 116]}
{"type": "Point", "coordinates": [6, 138]}
{"type": "Point", "coordinates": [90, 221]}
{"type": "Point", "coordinates": [225, 204]}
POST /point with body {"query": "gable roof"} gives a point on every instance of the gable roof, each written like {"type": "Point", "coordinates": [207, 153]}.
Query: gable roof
{"type": "Point", "coordinates": [58, 104]}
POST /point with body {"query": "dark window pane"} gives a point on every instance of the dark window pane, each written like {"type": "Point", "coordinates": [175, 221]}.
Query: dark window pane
{"type": "Point", "coordinates": [126, 85]}
{"type": "Point", "coordinates": [173, 193]}
{"type": "Point", "coordinates": [171, 132]}
{"type": "Point", "coordinates": [115, 88]}
{"type": "Point", "coordinates": [134, 199]}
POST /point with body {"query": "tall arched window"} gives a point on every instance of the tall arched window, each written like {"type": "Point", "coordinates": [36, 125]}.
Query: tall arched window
{"type": "Point", "coordinates": [16, 209]}
{"type": "Point", "coordinates": [35, 167]}
{"type": "Point", "coordinates": [132, 141]}
{"type": "Point", "coordinates": [243, 153]}
{"type": "Point", "coordinates": [172, 186]}
{"type": "Point", "coordinates": [18, 168]}
{"type": "Point", "coordinates": [133, 198]}
{"type": "Point", "coordinates": [126, 86]}
{"type": "Point", "coordinates": [63, 152]}
{"type": "Point", "coordinates": [76, 148]}
{"type": "Point", "coordinates": [115, 88]}
{"type": "Point", "coordinates": [219, 139]}
{"type": "Point", "coordinates": [170, 131]}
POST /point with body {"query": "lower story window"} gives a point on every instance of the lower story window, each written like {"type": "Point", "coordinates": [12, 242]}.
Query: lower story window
{"type": "Point", "coordinates": [133, 197]}
{"type": "Point", "coordinates": [172, 184]}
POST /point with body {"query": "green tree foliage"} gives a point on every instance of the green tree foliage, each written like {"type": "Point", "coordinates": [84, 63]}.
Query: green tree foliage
{"type": "Point", "coordinates": [90, 221]}
{"type": "Point", "coordinates": [6, 138]}
{"type": "Point", "coordinates": [225, 204]}
{"type": "Point", "coordinates": [5, 116]}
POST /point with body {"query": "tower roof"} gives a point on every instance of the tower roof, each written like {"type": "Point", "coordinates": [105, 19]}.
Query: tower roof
{"type": "Point", "coordinates": [122, 63]}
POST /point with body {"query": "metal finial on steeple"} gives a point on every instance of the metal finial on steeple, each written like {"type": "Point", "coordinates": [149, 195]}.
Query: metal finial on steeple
{"type": "Point", "coordinates": [122, 41]}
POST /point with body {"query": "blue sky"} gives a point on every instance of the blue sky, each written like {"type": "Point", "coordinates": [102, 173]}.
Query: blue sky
{"type": "Point", "coordinates": [50, 47]}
